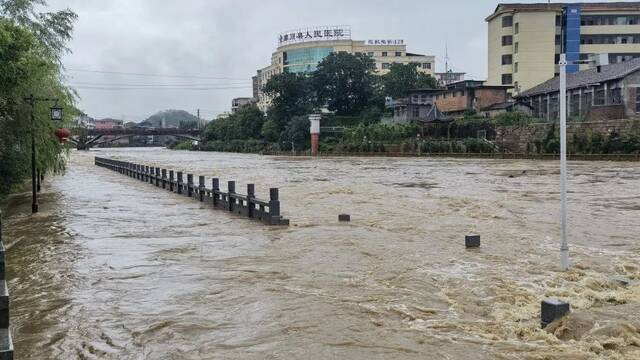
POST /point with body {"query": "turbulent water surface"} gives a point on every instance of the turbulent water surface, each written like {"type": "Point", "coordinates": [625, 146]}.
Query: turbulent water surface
{"type": "Point", "coordinates": [115, 268]}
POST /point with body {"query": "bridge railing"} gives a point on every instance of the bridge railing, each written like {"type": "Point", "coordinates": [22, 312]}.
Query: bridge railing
{"type": "Point", "coordinates": [6, 344]}
{"type": "Point", "coordinates": [267, 211]}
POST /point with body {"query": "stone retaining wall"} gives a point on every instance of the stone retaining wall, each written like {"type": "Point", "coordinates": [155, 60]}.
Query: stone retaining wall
{"type": "Point", "coordinates": [521, 139]}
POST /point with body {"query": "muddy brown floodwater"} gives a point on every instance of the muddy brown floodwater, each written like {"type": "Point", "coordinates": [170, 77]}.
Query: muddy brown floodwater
{"type": "Point", "coordinates": [115, 268]}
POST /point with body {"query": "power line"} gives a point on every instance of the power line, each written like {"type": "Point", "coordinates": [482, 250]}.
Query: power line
{"type": "Point", "coordinates": [160, 88]}
{"type": "Point", "coordinates": [152, 75]}
{"type": "Point", "coordinates": [80, 83]}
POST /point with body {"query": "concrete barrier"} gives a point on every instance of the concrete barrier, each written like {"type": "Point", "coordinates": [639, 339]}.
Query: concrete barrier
{"type": "Point", "coordinates": [552, 309]}
{"type": "Point", "coordinates": [248, 205]}
{"type": "Point", "coordinates": [472, 241]}
{"type": "Point", "coordinates": [6, 344]}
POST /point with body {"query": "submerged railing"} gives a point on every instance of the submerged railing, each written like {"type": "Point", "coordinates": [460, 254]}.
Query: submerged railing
{"type": "Point", "coordinates": [246, 205]}
{"type": "Point", "coordinates": [6, 344]}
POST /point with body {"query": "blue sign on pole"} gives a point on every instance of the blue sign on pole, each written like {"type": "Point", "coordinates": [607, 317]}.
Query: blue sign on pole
{"type": "Point", "coordinates": [572, 36]}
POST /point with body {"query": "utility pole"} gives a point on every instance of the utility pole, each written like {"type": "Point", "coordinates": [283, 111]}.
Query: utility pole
{"type": "Point", "coordinates": [564, 247]}
{"type": "Point", "coordinates": [199, 121]}
{"type": "Point", "coordinates": [34, 196]}
{"type": "Point", "coordinates": [56, 114]}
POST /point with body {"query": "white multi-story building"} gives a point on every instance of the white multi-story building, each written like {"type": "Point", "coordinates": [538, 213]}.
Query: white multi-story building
{"type": "Point", "coordinates": [300, 51]}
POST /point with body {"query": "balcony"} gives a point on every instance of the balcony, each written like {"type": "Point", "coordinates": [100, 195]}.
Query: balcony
{"type": "Point", "coordinates": [609, 48]}
{"type": "Point", "coordinates": [609, 29]}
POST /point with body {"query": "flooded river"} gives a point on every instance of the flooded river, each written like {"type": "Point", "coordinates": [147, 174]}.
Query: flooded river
{"type": "Point", "coordinates": [115, 268]}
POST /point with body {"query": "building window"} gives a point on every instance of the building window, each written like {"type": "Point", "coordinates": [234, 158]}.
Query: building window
{"type": "Point", "coordinates": [558, 20]}
{"type": "Point", "coordinates": [507, 40]}
{"type": "Point", "coordinates": [515, 48]}
{"type": "Point", "coordinates": [558, 39]}
{"type": "Point", "coordinates": [507, 21]}
{"type": "Point", "coordinates": [384, 53]}
{"type": "Point", "coordinates": [587, 98]}
{"type": "Point", "coordinates": [416, 112]}
{"type": "Point", "coordinates": [423, 98]}
{"type": "Point", "coordinates": [615, 96]}
{"type": "Point", "coordinates": [598, 98]}
{"type": "Point", "coordinates": [516, 28]}
{"type": "Point", "coordinates": [515, 67]}
{"type": "Point", "coordinates": [507, 59]}
{"type": "Point", "coordinates": [426, 65]}
{"type": "Point", "coordinates": [386, 66]}
{"type": "Point", "coordinates": [574, 104]}
{"type": "Point", "coordinates": [598, 20]}
{"type": "Point", "coordinates": [609, 39]}
{"type": "Point", "coordinates": [506, 79]}
{"type": "Point", "coordinates": [398, 53]}
{"type": "Point", "coordinates": [554, 107]}
{"type": "Point", "coordinates": [556, 59]}
{"type": "Point", "coordinates": [370, 53]}
{"type": "Point", "coordinates": [358, 53]}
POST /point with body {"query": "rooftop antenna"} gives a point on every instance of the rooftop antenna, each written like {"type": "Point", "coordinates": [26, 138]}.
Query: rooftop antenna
{"type": "Point", "coordinates": [446, 58]}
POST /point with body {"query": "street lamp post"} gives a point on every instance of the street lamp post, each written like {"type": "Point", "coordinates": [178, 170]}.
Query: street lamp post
{"type": "Point", "coordinates": [56, 115]}
{"type": "Point", "coordinates": [564, 246]}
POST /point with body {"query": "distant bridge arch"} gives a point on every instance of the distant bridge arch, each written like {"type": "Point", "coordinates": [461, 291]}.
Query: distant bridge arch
{"type": "Point", "coordinates": [94, 135]}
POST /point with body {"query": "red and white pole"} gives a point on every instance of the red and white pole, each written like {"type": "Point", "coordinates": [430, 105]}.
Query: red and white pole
{"type": "Point", "coordinates": [315, 133]}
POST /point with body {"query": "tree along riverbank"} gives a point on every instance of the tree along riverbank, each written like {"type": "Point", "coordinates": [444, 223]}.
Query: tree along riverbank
{"type": "Point", "coordinates": [611, 140]}
{"type": "Point", "coordinates": [32, 44]}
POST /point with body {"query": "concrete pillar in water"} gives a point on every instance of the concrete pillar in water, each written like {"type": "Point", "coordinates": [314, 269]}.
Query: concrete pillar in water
{"type": "Point", "coordinates": [190, 185]}
{"type": "Point", "coordinates": [231, 189]}
{"type": "Point", "coordinates": [274, 205]}
{"type": "Point", "coordinates": [552, 309]}
{"type": "Point", "coordinates": [251, 193]}
{"type": "Point", "coordinates": [215, 186]}
{"type": "Point", "coordinates": [179, 185]}
{"type": "Point", "coordinates": [201, 188]}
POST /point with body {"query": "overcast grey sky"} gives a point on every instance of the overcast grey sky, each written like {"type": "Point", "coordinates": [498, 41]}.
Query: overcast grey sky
{"type": "Point", "coordinates": [226, 41]}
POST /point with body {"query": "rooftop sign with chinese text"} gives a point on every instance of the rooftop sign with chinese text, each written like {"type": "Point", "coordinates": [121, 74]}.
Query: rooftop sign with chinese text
{"type": "Point", "coordinates": [336, 32]}
{"type": "Point", "coordinates": [385, 42]}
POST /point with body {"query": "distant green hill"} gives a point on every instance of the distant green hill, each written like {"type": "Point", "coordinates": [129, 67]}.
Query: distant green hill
{"type": "Point", "coordinates": [172, 118]}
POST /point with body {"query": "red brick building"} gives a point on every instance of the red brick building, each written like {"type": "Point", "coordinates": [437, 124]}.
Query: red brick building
{"type": "Point", "coordinates": [461, 96]}
{"type": "Point", "coordinates": [109, 124]}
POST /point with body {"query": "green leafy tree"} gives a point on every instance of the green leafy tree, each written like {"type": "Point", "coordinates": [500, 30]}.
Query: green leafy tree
{"type": "Point", "coordinates": [270, 131]}
{"type": "Point", "coordinates": [31, 45]}
{"type": "Point", "coordinates": [53, 29]}
{"type": "Point", "coordinates": [345, 82]}
{"type": "Point", "coordinates": [297, 132]}
{"type": "Point", "coordinates": [404, 77]}
{"type": "Point", "coordinates": [249, 120]}
{"type": "Point", "coordinates": [245, 124]}
{"type": "Point", "coordinates": [292, 94]}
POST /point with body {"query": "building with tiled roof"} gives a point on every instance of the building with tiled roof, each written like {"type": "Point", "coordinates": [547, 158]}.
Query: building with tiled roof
{"type": "Point", "coordinates": [600, 93]}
